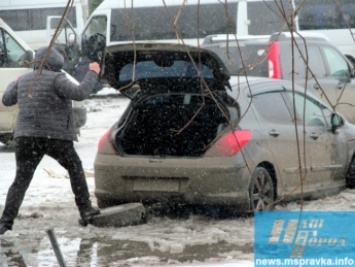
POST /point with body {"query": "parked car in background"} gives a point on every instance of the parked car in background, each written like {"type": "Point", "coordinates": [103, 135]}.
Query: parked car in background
{"type": "Point", "coordinates": [15, 59]}
{"type": "Point", "coordinates": [310, 59]}
{"type": "Point", "coordinates": [332, 18]}
{"type": "Point", "coordinates": [35, 21]}
{"type": "Point", "coordinates": [192, 136]}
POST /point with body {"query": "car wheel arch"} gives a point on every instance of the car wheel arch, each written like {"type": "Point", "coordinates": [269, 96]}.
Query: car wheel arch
{"type": "Point", "coordinates": [269, 170]}
{"type": "Point", "coordinates": [272, 171]}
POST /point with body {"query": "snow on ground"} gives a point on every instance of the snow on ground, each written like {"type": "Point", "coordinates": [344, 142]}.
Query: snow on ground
{"type": "Point", "coordinates": [194, 241]}
{"type": "Point", "coordinates": [49, 203]}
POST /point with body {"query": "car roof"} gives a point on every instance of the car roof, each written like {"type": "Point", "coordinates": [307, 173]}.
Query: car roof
{"type": "Point", "coordinates": [277, 36]}
{"type": "Point", "coordinates": [306, 35]}
{"type": "Point", "coordinates": [222, 38]}
{"type": "Point", "coordinates": [109, 4]}
{"type": "Point", "coordinates": [259, 85]}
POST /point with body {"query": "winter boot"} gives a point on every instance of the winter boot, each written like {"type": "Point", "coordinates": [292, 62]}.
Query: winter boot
{"type": "Point", "coordinates": [4, 227]}
{"type": "Point", "coordinates": [87, 214]}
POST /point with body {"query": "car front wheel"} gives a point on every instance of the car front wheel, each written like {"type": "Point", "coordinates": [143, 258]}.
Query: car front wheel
{"type": "Point", "coordinates": [261, 190]}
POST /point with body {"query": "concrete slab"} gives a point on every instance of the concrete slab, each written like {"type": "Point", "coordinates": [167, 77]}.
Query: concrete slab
{"type": "Point", "coordinates": [120, 215]}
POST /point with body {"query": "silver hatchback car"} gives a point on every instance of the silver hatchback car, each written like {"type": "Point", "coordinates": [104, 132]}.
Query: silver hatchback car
{"type": "Point", "coordinates": [192, 135]}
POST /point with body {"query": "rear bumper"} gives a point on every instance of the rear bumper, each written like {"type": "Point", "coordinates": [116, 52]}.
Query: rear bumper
{"type": "Point", "coordinates": [200, 181]}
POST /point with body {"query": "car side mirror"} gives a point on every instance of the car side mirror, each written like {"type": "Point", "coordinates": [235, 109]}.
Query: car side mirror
{"type": "Point", "coordinates": [28, 60]}
{"type": "Point", "coordinates": [344, 75]}
{"type": "Point", "coordinates": [336, 121]}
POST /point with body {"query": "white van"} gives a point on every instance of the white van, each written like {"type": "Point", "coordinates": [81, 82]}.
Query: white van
{"type": "Point", "coordinates": [15, 55]}
{"type": "Point", "coordinates": [333, 18]}
{"type": "Point", "coordinates": [178, 21]}
{"type": "Point", "coordinates": [262, 17]}
{"type": "Point", "coordinates": [150, 20]}
{"type": "Point", "coordinates": [118, 21]}
{"type": "Point", "coordinates": [30, 18]}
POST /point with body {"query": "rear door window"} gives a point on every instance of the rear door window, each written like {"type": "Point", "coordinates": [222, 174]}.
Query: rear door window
{"type": "Point", "coordinates": [268, 110]}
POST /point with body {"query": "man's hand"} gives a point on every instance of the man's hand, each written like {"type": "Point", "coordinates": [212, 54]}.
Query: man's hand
{"type": "Point", "coordinates": [94, 67]}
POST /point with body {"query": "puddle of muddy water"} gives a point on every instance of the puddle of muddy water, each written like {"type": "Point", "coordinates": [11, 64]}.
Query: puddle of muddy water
{"type": "Point", "coordinates": [98, 251]}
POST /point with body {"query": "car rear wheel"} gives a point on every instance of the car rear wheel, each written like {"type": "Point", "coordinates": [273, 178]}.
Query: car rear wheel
{"type": "Point", "coordinates": [261, 190]}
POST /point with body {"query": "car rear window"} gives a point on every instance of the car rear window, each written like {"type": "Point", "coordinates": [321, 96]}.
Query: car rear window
{"type": "Point", "coordinates": [250, 58]}
{"type": "Point", "coordinates": [149, 69]}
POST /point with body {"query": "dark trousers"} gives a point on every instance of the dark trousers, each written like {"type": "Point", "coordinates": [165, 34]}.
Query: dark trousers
{"type": "Point", "coordinates": [29, 153]}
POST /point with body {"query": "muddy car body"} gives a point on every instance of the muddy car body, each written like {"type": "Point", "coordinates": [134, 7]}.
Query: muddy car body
{"type": "Point", "coordinates": [191, 135]}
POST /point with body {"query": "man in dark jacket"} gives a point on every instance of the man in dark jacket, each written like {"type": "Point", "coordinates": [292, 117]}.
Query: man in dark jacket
{"type": "Point", "coordinates": [45, 126]}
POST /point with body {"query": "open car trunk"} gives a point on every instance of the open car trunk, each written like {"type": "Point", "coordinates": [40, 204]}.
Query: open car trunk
{"type": "Point", "coordinates": [179, 99]}
{"type": "Point", "coordinates": [173, 124]}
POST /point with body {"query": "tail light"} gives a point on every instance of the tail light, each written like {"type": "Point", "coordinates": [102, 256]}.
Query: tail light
{"type": "Point", "coordinates": [274, 61]}
{"type": "Point", "coordinates": [229, 144]}
{"type": "Point", "coordinates": [105, 146]}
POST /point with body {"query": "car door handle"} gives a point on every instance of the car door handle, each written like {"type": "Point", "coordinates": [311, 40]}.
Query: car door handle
{"type": "Point", "coordinates": [314, 136]}
{"type": "Point", "coordinates": [274, 133]}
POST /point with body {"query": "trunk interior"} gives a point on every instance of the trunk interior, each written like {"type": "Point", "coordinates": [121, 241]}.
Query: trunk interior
{"type": "Point", "coordinates": [172, 124]}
